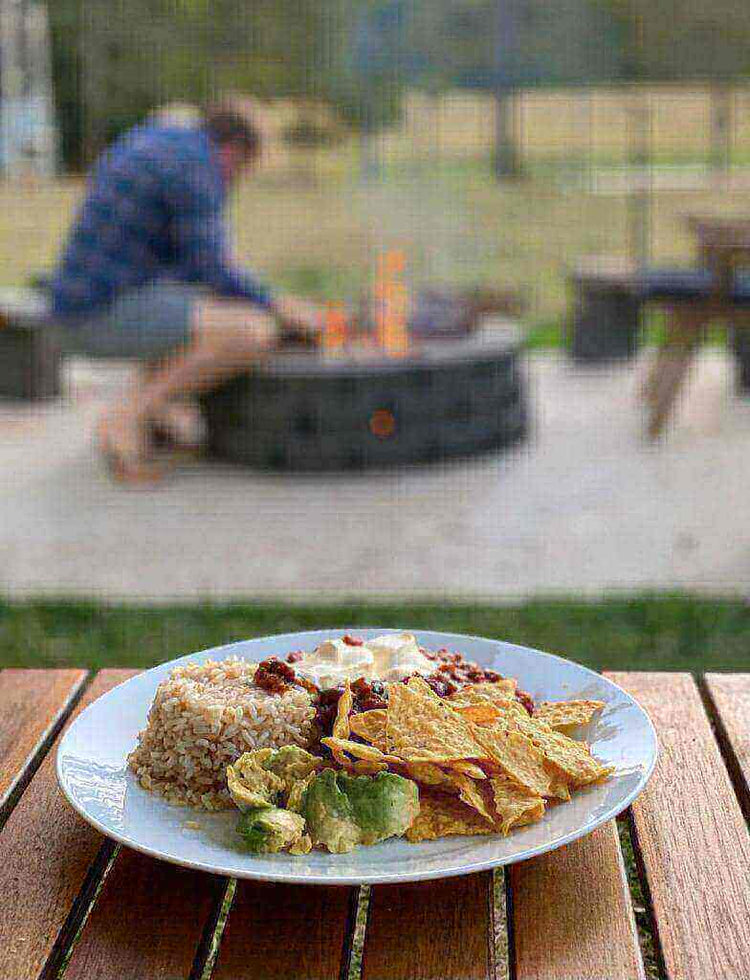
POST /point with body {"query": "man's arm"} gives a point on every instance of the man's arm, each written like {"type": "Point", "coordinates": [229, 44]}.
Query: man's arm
{"type": "Point", "coordinates": [200, 244]}
{"type": "Point", "coordinates": [203, 256]}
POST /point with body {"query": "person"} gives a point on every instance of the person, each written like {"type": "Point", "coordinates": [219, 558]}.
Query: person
{"type": "Point", "coordinates": [146, 274]}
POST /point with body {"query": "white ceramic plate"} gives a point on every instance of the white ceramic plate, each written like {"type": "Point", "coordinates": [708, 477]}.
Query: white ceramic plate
{"type": "Point", "coordinates": [92, 773]}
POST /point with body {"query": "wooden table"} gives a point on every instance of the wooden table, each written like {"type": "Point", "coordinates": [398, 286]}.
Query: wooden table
{"type": "Point", "coordinates": [723, 246]}
{"type": "Point", "coordinates": [568, 915]}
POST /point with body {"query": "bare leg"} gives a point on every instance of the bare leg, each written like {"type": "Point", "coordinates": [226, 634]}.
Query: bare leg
{"type": "Point", "coordinates": [228, 337]}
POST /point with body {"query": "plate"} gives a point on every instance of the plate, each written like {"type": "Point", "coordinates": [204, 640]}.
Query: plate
{"type": "Point", "coordinates": [92, 773]}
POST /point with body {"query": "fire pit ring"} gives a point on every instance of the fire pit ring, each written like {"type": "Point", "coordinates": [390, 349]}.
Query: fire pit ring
{"type": "Point", "coordinates": [309, 412]}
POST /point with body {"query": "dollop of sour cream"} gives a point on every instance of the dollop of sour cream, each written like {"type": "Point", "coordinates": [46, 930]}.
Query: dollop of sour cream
{"type": "Point", "coordinates": [390, 657]}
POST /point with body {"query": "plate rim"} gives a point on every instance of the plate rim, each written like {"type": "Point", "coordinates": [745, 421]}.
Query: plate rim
{"type": "Point", "coordinates": [344, 880]}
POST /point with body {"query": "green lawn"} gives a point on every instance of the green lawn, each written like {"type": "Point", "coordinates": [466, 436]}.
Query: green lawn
{"type": "Point", "coordinates": [646, 633]}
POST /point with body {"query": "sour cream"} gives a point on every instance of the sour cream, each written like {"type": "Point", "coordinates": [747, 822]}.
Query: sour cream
{"type": "Point", "coordinates": [389, 658]}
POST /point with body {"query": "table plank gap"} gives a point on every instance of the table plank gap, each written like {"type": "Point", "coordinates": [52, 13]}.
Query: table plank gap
{"type": "Point", "coordinates": [354, 941]}
{"type": "Point", "coordinates": [691, 854]}
{"type": "Point", "coordinates": [509, 928]}
{"type": "Point", "coordinates": [653, 924]}
{"type": "Point", "coordinates": [424, 930]}
{"type": "Point", "coordinates": [46, 852]}
{"type": "Point", "coordinates": [209, 948]}
{"type": "Point", "coordinates": [299, 931]}
{"type": "Point", "coordinates": [578, 898]}
{"type": "Point", "coordinates": [499, 926]}
{"type": "Point", "coordinates": [79, 912]}
{"type": "Point", "coordinates": [33, 707]}
{"type": "Point", "coordinates": [726, 698]}
{"type": "Point", "coordinates": [150, 920]}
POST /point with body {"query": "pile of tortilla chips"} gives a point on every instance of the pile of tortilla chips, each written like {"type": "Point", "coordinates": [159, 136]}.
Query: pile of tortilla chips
{"type": "Point", "coordinates": [482, 763]}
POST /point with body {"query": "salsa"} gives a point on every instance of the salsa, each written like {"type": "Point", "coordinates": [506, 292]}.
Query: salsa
{"type": "Point", "coordinates": [274, 676]}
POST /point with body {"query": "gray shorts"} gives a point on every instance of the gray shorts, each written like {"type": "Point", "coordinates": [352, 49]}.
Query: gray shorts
{"type": "Point", "coordinates": [147, 323]}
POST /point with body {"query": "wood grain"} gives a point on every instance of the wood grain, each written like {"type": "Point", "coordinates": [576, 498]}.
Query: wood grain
{"type": "Point", "coordinates": [730, 694]}
{"type": "Point", "coordinates": [46, 850]}
{"type": "Point", "coordinates": [692, 837]}
{"type": "Point", "coordinates": [147, 922]}
{"type": "Point", "coordinates": [276, 932]}
{"type": "Point", "coordinates": [31, 703]}
{"type": "Point", "coordinates": [577, 898]}
{"type": "Point", "coordinates": [432, 930]}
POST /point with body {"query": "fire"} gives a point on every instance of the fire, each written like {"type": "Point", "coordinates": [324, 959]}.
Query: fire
{"type": "Point", "coordinates": [392, 303]}
{"type": "Point", "coordinates": [391, 311]}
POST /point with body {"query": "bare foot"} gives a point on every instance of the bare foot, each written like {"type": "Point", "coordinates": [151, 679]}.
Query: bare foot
{"type": "Point", "coordinates": [180, 424]}
{"type": "Point", "coordinates": [122, 441]}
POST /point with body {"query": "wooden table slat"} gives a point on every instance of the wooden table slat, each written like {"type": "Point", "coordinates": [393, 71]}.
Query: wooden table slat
{"type": "Point", "coordinates": [692, 837]}
{"type": "Point", "coordinates": [425, 930]}
{"type": "Point", "coordinates": [46, 851]}
{"type": "Point", "coordinates": [31, 703]}
{"type": "Point", "coordinates": [148, 921]}
{"type": "Point", "coordinates": [275, 932]}
{"type": "Point", "coordinates": [731, 695]}
{"type": "Point", "coordinates": [572, 913]}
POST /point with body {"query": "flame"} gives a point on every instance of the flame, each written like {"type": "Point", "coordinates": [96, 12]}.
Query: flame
{"type": "Point", "coordinates": [391, 311]}
{"type": "Point", "coordinates": [392, 304]}
{"type": "Point", "coordinates": [335, 328]}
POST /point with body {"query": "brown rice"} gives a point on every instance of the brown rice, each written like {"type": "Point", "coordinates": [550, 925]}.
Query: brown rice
{"type": "Point", "coordinates": [204, 715]}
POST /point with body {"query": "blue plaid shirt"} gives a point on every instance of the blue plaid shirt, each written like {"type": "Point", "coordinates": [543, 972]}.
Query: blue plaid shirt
{"type": "Point", "coordinates": [153, 209]}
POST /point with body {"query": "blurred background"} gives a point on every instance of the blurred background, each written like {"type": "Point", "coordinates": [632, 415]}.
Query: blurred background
{"type": "Point", "coordinates": [550, 156]}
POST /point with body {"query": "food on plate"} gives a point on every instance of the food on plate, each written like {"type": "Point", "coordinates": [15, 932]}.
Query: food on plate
{"type": "Point", "coordinates": [272, 829]}
{"type": "Point", "coordinates": [343, 811]}
{"type": "Point", "coordinates": [203, 717]}
{"type": "Point", "coordinates": [361, 741]}
{"type": "Point", "coordinates": [260, 778]}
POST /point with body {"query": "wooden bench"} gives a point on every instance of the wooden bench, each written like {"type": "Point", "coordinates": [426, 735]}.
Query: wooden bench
{"type": "Point", "coordinates": [71, 896]}
{"type": "Point", "coordinates": [30, 356]}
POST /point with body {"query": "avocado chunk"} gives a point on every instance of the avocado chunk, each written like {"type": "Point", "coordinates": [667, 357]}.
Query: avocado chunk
{"type": "Point", "coordinates": [330, 814]}
{"type": "Point", "coordinates": [343, 811]}
{"type": "Point", "coordinates": [251, 785]}
{"type": "Point", "coordinates": [384, 805]}
{"type": "Point", "coordinates": [264, 777]}
{"type": "Point", "coordinates": [268, 830]}
{"type": "Point", "coordinates": [291, 764]}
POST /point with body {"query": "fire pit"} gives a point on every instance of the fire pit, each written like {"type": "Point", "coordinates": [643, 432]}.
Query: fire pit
{"type": "Point", "coordinates": [349, 409]}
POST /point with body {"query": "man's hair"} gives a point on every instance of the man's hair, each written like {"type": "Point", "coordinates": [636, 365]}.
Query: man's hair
{"type": "Point", "coordinates": [226, 125]}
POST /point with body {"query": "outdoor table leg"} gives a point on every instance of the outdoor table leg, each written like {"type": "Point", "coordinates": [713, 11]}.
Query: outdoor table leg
{"type": "Point", "coordinates": [684, 332]}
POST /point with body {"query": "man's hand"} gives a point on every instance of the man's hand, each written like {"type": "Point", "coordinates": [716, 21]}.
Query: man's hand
{"type": "Point", "coordinates": [300, 316]}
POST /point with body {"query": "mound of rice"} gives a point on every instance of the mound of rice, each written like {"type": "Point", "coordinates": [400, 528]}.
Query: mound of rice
{"type": "Point", "coordinates": [203, 717]}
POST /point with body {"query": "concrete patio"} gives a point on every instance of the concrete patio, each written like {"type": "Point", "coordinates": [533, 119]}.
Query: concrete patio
{"type": "Point", "coordinates": [585, 507]}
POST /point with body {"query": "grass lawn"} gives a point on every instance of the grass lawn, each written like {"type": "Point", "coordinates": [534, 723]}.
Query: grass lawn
{"type": "Point", "coordinates": [648, 633]}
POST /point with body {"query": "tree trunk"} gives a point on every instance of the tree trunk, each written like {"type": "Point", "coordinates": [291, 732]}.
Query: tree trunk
{"type": "Point", "coordinates": [506, 161]}
{"type": "Point", "coordinates": [721, 129]}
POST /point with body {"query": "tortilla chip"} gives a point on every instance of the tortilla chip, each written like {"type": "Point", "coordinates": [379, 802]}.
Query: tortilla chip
{"type": "Point", "coordinates": [481, 713]}
{"type": "Point", "coordinates": [427, 773]}
{"type": "Point", "coordinates": [370, 725]}
{"type": "Point", "coordinates": [468, 769]}
{"type": "Point", "coordinates": [357, 749]}
{"type": "Point", "coordinates": [566, 716]}
{"type": "Point", "coordinates": [366, 767]}
{"type": "Point", "coordinates": [570, 759]}
{"type": "Point", "coordinates": [492, 691]}
{"type": "Point", "coordinates": [515, 806]}
{"type": "Point", "coordinates": [341, 727]}
{"type": "Point", "coordinates": [559, 789]}
{"type": "Point", "coordinates": [422, 727]}
{"type": "Point", "coordinates": [470, 794]}
{"type": "Point", "coordinates": [442, 816]}
{"type": "Point", "coordinates": [518, 758]}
